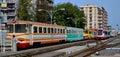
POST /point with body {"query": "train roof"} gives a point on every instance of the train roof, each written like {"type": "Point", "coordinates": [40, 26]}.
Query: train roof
{"type": "Point", "coordinates": [34, 23]}
{"type": "Point", "coordinates": [74, 28]}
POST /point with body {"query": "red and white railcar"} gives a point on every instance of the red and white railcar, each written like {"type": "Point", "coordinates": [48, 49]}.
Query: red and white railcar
{"type": "Point", "coordinates": [33, 33]}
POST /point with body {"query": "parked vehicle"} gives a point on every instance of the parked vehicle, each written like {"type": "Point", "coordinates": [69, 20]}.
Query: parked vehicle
{"type": "Point", "coordinates": [90, 34]}
{"type": "Point", "coordinates": [103, 34]}
{"type": "Point", "coordinates": [30, 33]}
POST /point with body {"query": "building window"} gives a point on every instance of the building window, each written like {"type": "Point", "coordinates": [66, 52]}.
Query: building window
{"type": "Point", "coordinates": [81, 8]}
{"type": "Point", "coordinates": [90, 26]}
{"type": "Point", "coordinates": [90, 15]}
{"type": "Point", "coordinates": [90, 7]}
{"type": "Point", "coordinates": [90, 11]}
{"type": "Point", "coordinates": [90, 19]}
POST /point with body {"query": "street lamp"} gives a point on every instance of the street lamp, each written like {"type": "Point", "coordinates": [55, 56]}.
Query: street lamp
{"type": "Point", "coordinates": [74, 20]}
{"type": "Point", "coordinates": [51, 13]}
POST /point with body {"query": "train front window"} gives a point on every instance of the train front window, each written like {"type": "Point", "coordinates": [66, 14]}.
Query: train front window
{"type": "Point", "coordinates": [10, 28]}
{"type": "Point", "coordinates": [105, 32]}
{"type": "Point", "coordinates": [20, 28]}
{"type": "Point", "coordinates": [99, 32]}
{"type": "Point", "coordinates": [85, 31]}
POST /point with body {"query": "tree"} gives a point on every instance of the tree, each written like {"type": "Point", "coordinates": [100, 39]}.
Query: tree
{"type": "Point", "coordinates": [43, 16]}
{"type": "Point", "coordinates": [23, 10]}
{"type": "Point", "coordinates": [72, 16]}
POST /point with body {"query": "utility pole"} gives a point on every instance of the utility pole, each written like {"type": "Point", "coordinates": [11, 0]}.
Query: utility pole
{"type": "Point", "coordinates": [3, 23]}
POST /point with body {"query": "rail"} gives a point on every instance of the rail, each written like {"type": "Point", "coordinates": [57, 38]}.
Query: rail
{"type": "Point", "coordinates": [91, 50]}
{"type": "Point", "coordinates": [30, 52]}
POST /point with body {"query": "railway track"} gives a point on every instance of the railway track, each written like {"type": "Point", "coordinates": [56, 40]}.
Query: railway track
{"type": "Point", "coordinates": [31, 52]}
{"type": "Point", "coordinates": [91, 50]}
{"type": "Point", "coordinates": [82, 53]}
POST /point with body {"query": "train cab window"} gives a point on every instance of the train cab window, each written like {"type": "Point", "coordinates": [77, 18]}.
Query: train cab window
{"type": "Point", "coordinates": [35, 29]}
{"type": "Point", "coordinates": [10, 28]}
{"type": "Point", "coordinates": [105, 32]}
{"type": "Point", "coordinates": [99, 32]}
{"type": "Point", "coordinates": [40, 29]}
{"type": "Point", "coordinates": [20, 28]}
{"type": "Point", "coordinates": [108, 33]}
{"type": "Point", "coordinates": [44, 30]}
{"type": "Point", "coordinates": [86, 31]}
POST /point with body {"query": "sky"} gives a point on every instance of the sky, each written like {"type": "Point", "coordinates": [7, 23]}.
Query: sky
{"type": "Point", "coordinates": [111, 6]}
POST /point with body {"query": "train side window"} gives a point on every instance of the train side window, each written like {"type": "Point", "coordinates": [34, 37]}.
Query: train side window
{"type": "Point", "coordinates": [51, 30]}
{"type": "Point", "coordinates": [63, 31]}
{"type": "Point", "coordinates": [48, 30]}
{"type": "Point", "coordinates": [67, 31]}
{"type": "Point", "coordinates": [44, 30]}
{"type": "Point", "coordinates": [58, 31]}
{"type": "Point", "coordinates": [70, 31]}
{"type": "Point", "coordinates": [78, 32]}
{"type": "Point", "coordinates": [55, 30]}
{"type": "Point", "coordinates": [40, 29]}
{"type": "Point", "coordinates": [35, 29]}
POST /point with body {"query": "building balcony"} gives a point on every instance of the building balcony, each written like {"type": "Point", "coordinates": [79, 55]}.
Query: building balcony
{"type": "Point", "coordinates": [8, 14]}
{"type": "Point", "coordinates": [3, 9]}
{"type": "Point", "coordinates": [10, 1]}
{"type": "Point", "coordinates": [11, 14]}
{"type": "Point", "coordinates": [7, 1]}
{"type": "Point", "coordinates": [10, 8]}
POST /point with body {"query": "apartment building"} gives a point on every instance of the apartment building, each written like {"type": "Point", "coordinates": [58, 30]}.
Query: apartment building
{"type": "Point", "coordinates": [45, 4]}
{"type": "Point", "coordinates": [96, 17]}
{"type": "Point", "coordinates": [8, 10]}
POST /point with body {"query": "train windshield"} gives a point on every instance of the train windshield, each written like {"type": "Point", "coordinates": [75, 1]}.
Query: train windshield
{"type": "Point", "coordinates": [99, 32]}
{"type": "Point", "coordinates": [10, 28]}
{"type": "Point", "coordinates": [20, 28]}
{"type": "Point", "coordinates": [105, 32]}
{"type": "Point", "coordinates": [86, 31]}
{"type": "Point", "coordinates": [17, 28]}
{"type": "Point", "coordinates": [108, 33]}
